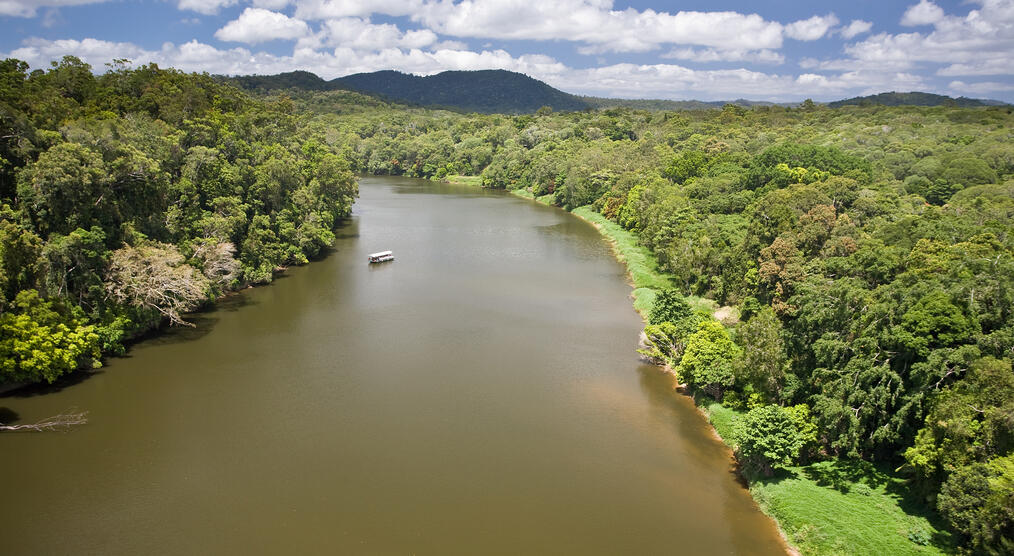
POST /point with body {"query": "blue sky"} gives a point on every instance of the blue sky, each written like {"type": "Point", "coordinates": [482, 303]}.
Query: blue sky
{"type": "Point", "coordinates": [709, 50]}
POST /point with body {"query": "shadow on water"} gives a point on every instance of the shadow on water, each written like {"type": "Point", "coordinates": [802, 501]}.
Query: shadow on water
{"type": "Point", "coordinates": [662, 392]}
{"type": "Point", "coordinates": [66, 381]}
{"type": "Point", "coordinates": [8, 416]}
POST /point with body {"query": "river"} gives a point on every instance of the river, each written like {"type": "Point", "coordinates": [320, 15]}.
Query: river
{"type": "Point", "coordinates": [481, 394]}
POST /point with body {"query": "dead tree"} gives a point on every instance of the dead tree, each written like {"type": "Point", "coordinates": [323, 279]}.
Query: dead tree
{"type": "Point", "coordinates": [59, 422]}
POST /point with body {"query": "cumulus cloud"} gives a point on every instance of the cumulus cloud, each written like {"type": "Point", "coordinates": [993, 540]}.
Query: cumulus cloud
{"type": "Point", "coordinates": [763, 56]}
{"type": "Point", "coordinates": [992, 66]}
{"type": "Point", "coordinates": [327, 9]}
{"type": "Point", "coordinates": [29, 8]}
{"type": "Point", "coordinates": [855, 28]}
{"type": "Point", "coordinates": [626, 80]}
{"type": "Point", "coordinates": [811, 29]}
{"type": "Point", "coordinates": [206, 7]}
{"type": "Point", "coordinates": [978, 43]}
{"type": "Point", "coordinates": [923, 13]}
{"type": "Point", "coordinates": [596, 24]}
{"type": "Point", "coordinates": [256, 25]}
{"type": "Point", "coordinates": [361, 34]}
{"type": "Point", "coordinates": [980, 88]}
{"type": "Point", "coordinates": [270, 4]}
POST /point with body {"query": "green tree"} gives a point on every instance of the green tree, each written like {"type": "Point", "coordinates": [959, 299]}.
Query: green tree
{"type": "Point", "coordinates": [41, 340]}
{"type": "Point", "coordinates": [763, 362]}
{"type": "Point", "coordinates": [767, 437]}
{"type": "Point", "coordinates": [978, 502]}
{"type": "Point", "coordinates": [709, 358]}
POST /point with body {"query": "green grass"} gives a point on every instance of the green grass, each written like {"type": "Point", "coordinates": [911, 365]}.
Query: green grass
{"type": "Point", "coordinates": [474, 181]}
{"type": "Point", "coordinates": [523, 193]}
{"type": "Point", "coordinates": [723, 419]}
{"type": "Point", "coordinates": [641, 264]}
{"type": "Point", "coordinates": [866, 512]}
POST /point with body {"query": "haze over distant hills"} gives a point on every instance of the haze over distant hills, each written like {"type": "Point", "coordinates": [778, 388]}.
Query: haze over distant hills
{"type": "Point", "coordinates": [501, 91]}
{"type": "Point", "coordinates": [914, 99]}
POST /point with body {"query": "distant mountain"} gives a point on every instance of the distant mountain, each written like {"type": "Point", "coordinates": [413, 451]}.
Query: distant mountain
{"type": "Point", "coordinates": [913, 99]}
{"type": "Point", "coordinates": [664, 104]}
{"type": "Point", "coordinates": [472, 91]}
{"type": "Point", "coordinates": [486, 91]}
{"type": "Point", "coordinates": [500, 91]}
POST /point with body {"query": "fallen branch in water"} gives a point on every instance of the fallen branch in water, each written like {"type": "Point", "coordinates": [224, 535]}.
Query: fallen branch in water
{"type": "Point", "coordinates": [57, 422]}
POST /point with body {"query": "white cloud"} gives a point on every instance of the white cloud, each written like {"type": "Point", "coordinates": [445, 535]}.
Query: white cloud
{"type": "Point", "coordinates": [993, 66]}
{"type": "Point", "coordinates": [361, 34]}
{"type": "Point", "coordinates": [855, 28]}
{"type": "Point", "coordinates": [978, 43]}
{"type": "Point", "coordinates": [206, 7]}
{"type": "Point", "coordinates": [256, 25]}
{"type": "Point", "coordinates": [980, 88]}
{"type": "Point", "coordinates": [270, 4]}
{"type": "Point", "coordinates": [29, 8]}
{"type": "Point", "coordinates": [39, 52]}
{"type": "Point", "coordinates": [327, 9]}
{"type": "Point", "coordinates": [811, 29]}
{"type": "Point", "coordinates": [594, 23]}
{"type": "Point", "coordinates": [763, 56]}
{"type": "Point", "coordinates": [923, 13]}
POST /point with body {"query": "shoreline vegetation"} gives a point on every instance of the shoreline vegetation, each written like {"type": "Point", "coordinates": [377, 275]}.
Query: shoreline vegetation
{"type": "Point", "coordinates": [823, 508]}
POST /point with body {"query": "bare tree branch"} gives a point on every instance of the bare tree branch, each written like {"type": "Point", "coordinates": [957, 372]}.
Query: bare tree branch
{"type": "Point", "coordinates": [59, 422]}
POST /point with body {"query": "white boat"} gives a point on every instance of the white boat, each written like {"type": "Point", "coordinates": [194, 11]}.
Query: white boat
{"type": "Point", "coordinates": [381, 257]}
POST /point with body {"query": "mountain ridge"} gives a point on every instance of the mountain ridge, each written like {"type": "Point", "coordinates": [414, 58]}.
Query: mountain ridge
{"type": "Point", "coordinates": [502, 91]}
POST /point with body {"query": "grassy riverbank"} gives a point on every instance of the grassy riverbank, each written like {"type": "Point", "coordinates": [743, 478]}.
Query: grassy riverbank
{"type": "Point", "coordinates": [456, 179]}
{"type": "Point", "coordinates": [826, 508]}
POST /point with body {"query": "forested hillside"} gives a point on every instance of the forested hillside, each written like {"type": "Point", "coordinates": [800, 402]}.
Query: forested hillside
{"type": "Point", "coordinates": [485, 91]}
{"type": "Point", "coordinates": [868, 251]}
{"type": "Point", "coordinates": [131, 198]}
{"type": "Point", "coordinates": [912, 99]}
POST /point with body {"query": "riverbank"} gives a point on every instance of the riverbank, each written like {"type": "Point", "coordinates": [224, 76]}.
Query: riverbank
{"type": "Point", "coordinates": [825, 508]}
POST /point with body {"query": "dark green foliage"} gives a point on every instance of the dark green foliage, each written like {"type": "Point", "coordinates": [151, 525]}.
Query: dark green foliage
{"type": "Point", "coordinates": [969, 421]}
{"type": "Point", "coordinates": [670, 306]}
{"type": "Point", "coordinates": [763, 363]}
{"type": "Point", "coordinates": [978, 501]}
{"type": "Point", "coordinates": [470, 91]}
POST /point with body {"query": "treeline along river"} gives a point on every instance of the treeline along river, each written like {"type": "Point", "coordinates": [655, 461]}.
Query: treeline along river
{"type": "Point", "coordinates": [481, 394]}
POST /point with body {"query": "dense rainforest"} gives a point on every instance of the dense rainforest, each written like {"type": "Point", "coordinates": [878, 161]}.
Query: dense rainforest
{"type": "Point", "coordinates": [864, 254]}
{"type": "Point", "coordinates": [133, 197]}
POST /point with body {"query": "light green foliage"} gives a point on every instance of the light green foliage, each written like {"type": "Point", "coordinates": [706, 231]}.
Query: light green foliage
{"type": "Point", "coordinates": [708, 360]}
{"type": "Point", "coordinates": [970, 421]}
{"type": "Point", "coordinates": [767, 437]}
{"type": "Point", "coordinates": [41, 341]}
{"type": "Point", "coordinates": [663, 344]}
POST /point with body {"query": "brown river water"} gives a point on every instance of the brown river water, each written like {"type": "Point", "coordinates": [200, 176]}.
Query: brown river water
{"type": "Point", "coordinates": [481, 394]}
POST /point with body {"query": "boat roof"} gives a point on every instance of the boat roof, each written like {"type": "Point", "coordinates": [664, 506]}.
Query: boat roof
{"type": "Point", "coordinates": [381, 253]}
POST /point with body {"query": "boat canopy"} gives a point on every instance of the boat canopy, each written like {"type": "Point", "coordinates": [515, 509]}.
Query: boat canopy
{"type": "Point", "coordinates": [381, 254]}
